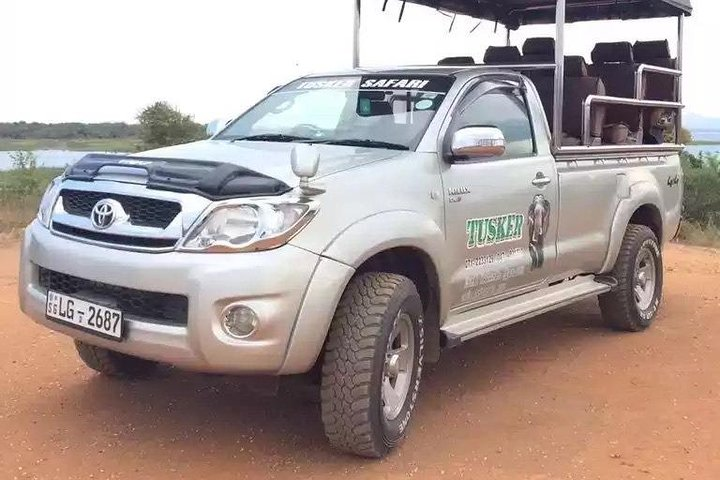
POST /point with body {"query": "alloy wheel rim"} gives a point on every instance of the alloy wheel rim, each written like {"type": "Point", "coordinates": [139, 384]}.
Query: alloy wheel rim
{"type": "Point", "coordinates": [644, 279]}
{"type": "Point", "coordinates": [398, 367]}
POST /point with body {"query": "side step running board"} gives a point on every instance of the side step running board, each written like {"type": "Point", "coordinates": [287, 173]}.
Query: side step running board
{"type": "Point", "coordinates": [466, 325]}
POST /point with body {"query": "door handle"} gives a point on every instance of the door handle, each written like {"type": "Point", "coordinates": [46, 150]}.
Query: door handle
{"type": "Point", "coordinates": [541, 180]}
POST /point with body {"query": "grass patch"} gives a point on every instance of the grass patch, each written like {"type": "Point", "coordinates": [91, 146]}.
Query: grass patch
{"type": "Point", "coordinates": [128, 144]}
{"type": "Point", "coordinates": [20, 194]}
{"type": "Point", "coordinates": [694, 233]}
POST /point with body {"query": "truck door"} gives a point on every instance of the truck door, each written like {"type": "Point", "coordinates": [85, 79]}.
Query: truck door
{"type": "Point", "coordinates": [501, 212]}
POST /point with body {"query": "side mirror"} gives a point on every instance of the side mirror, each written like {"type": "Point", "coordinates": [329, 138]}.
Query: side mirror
{"type": "Point", "coordinates": [215, 126]}
{"type": "Point", "coordinates": [477, 142]}
{"type": "Point", "coordinates": [304, 160]}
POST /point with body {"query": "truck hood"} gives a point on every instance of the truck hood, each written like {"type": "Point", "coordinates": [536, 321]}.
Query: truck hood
{"type": "Point", "coordinates": [271, 159]}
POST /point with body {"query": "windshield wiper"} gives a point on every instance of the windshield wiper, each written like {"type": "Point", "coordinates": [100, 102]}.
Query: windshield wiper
{"type": "Point", "coordinates": [270, 137]}
{"type": "Point", "coordinates": [365, 142]}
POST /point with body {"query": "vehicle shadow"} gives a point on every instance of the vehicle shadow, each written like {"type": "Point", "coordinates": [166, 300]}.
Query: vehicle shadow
{"type": "Point", "coordinates": [188, 415]}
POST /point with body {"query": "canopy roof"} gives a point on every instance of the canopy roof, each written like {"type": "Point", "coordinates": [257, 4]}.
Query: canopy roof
{"type": "Point", "coordinates": [514, 13]}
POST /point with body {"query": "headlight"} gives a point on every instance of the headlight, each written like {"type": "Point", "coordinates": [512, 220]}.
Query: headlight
{"type": "Point", "coordinates": [234, 227]}
{"type": "Point", "coordinates": [48, 201]}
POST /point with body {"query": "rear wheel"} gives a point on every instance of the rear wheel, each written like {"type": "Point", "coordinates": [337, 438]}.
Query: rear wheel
{"type": "Point", "coordinates": [113, 364]}
{"type": "Point", "coordinates": [372, 364]}
{"type": "Point", "coordinates": [634, 303]}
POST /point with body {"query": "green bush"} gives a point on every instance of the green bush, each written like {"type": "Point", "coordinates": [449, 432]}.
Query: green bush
{"type": "Point", "coordinates": [162, 125]}
{"type": "Point", "coordinates": [705, 235]}
{"type": "Point", "coordinates": [702, 188]}
{"type": "Point", "coordinates": [21, 189]}
{"type": "Point", "coordinates": [23, 179]}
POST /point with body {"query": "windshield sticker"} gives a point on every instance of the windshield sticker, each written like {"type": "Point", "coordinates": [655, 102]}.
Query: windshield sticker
{"type": "Point", "coordinates": [395, 83]}
{"type": "Point", "coordinates": [482, 232]}
{"type": "Point", "coordinates": [424, 83]}
{"type": "Point", "coordinates": [328, 83]}
{"type": "Point", "coordinates": [538, 223]}
{"type": "Point", "coordinates": [424, 104]}
{"type": "Point", "coordinates": [427, 84]}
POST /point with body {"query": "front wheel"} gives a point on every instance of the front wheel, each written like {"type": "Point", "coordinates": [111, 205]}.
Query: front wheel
{"type": "Point", "coordinates": [634, 303]}
{"type": "Point", "coordinates": [372, 364]}
{"type": "Point", "coordinates": [113, 364]}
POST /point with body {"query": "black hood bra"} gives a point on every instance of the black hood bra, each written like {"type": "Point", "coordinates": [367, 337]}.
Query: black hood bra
{"type": "Point", "coordinates": [213, 180]}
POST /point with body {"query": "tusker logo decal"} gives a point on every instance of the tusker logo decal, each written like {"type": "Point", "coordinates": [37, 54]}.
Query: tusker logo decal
{"type": "Point", "coordinates": [328, 83]}
{"type": "Point", "coordinates": [482, 232]}
{"type": "Point", "coordinates": [538, 223]}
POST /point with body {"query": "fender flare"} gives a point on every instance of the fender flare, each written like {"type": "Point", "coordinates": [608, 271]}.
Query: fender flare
{"type": "Point", "coordinates": [382, 231]}
{"type": "Point", "coordinates": [391, 229]}
{"type": "Point", "coordinates": [641, 193]}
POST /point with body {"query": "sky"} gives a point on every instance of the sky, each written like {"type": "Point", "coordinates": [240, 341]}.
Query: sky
{"type": "Point", "coordinates": [93, 61]}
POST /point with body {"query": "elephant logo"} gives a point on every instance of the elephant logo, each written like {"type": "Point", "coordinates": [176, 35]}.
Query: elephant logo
{"type": "Point", "coordinates": [538, 223]}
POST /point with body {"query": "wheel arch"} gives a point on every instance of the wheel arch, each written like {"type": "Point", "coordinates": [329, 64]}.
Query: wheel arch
{"type": "Point", "coordinates": [644, 207]}
{"type": "Point", "coordinates": [402, 242]}
{"type": "Point", "coordinates": [649, 215]}
{"type": "Point", "coordinates": [419, 267]}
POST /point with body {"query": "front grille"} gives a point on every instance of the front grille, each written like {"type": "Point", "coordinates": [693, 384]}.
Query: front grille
{"type": "Point", "coordinates": [143, 212]}
{"type": "Point", "coordinates": [130, 241]}
{"type": "Point", "coordinates": [155, 307]}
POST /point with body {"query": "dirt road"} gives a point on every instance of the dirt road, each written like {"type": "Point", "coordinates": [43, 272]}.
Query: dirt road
{"type": "Point", "coordinates": [555, 398]}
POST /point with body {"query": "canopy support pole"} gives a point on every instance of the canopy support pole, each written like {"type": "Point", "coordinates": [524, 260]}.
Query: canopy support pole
{"type": "Point", "coordinates": [557, 120]}
{"type": "Point", "coordinates": [356, 34]}
{"type": "Point", "coordinates": [678, 80]}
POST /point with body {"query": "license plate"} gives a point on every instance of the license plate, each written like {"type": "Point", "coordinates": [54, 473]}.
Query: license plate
{"type": "Point", "coordinates": [98, 319]}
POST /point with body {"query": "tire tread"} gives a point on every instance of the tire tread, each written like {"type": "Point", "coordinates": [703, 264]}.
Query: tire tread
{"type": "Point", "coordinates": [348, 363]}
{"type": "Point", "coordinates": [617, 306]}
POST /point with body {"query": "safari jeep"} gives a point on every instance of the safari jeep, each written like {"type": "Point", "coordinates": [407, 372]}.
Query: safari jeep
{"type": "Point", "coordinates": [354, 225]}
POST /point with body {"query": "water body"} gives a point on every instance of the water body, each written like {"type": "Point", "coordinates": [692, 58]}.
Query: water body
{"type": "Point", "coordinates": [62, 158]}
{"type": "Point", "coordinates": [707, 135]}
{"type": "Point", "coordinates": [45, 158]}
{"type": "Point", "coordinates": [708, 149]}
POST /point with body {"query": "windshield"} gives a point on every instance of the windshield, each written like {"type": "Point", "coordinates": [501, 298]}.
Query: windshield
{"type": "Point", "coordinates": [369, 110]}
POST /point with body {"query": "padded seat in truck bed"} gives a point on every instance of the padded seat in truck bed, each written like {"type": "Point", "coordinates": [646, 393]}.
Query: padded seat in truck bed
{"type": "Point", "coordinates": [614, 64]}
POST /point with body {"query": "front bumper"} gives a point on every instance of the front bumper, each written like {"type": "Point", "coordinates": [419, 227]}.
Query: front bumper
{"type": "Point", "coordinates": [293, 291]}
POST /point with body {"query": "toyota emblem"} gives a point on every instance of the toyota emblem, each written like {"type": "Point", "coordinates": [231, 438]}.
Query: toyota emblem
{"type": "Point", "coordinates": [104, 213]}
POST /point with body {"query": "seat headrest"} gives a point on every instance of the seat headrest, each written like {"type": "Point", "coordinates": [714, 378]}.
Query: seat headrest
{"type": "Point", "coordinates": [500, 55]}
{"type": "Point", "coordinates": [575, 66]}
{"type": "Point", "coordinates": [539, 46]}
{"type": "Point", "coordinates": [614, 52]}
{"type": "Point", "coordinates": [457, 61]}
{"type": "Point", "coordinates": [653, 50]}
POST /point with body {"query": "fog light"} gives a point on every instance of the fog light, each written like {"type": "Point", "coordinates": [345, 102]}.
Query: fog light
{"type": "Point", "coordinates": [239, 321]}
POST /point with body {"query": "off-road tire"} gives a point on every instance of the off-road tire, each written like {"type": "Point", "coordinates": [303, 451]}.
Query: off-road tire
{"type": "Point", "coordinates": [113, 364]}
{"type": "Point", "coordinates": [619, 308]}
{"type": "Point", "coordinates": [354, 360]}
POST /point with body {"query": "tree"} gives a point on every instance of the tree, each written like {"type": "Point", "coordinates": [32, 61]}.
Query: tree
{"type": "Point", "coordinates": [162, 125]}
{"type": "Point", "coordinates": [686, 137]}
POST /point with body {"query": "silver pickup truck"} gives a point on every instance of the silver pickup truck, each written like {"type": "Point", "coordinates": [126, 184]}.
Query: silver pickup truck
{"type": "Point", "coordinates": [354, 225]}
